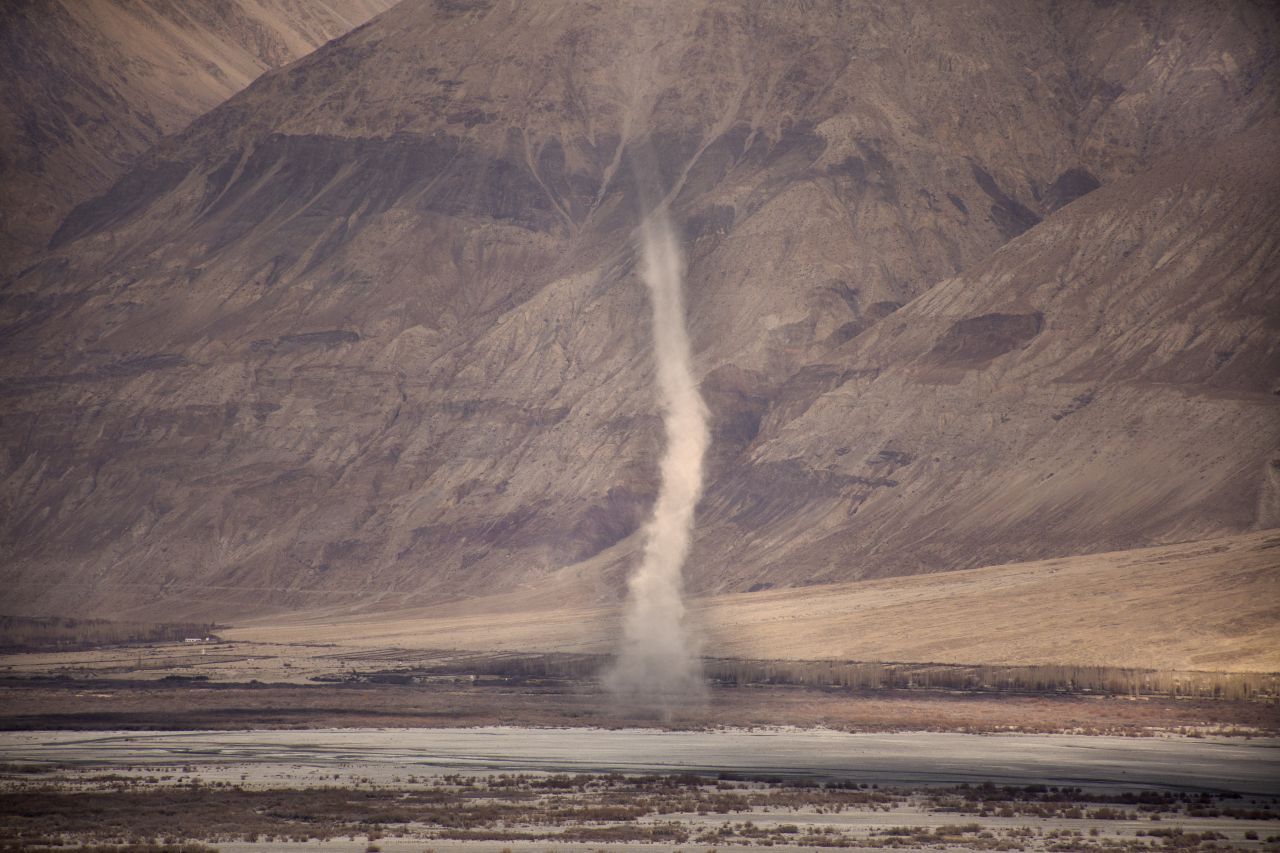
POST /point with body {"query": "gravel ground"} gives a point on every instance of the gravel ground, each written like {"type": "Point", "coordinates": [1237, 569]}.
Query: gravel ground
{"type": "Point", "coordinates": [1098, 763]}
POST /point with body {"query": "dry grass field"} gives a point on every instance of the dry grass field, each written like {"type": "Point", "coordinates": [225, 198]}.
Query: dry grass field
{"type": "Point", "coordinates": [1212, 605]}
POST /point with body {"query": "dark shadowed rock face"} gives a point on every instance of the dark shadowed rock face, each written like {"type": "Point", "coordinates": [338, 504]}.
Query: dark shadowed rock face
{"type": "Point", "coordinates": [1069, 186]}
{"type": "Point", "coordinates": [974, 340]}
{"type": "Point", "coordinates": [1011, 217]}
{"type": "Point", "coordinates": [371, 332]}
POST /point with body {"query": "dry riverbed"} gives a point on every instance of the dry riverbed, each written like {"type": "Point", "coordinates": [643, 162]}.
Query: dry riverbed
{"type": "Point", "coordinates": [490, 789]}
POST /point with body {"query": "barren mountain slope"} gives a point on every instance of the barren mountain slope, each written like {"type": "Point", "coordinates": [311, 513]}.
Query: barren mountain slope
{"type": "Point", "coordinates": [370, 330]}
{"type": "Point", "coordinates": [1113, 374]}
{"type": "Point", "coordinates": [89, 84]}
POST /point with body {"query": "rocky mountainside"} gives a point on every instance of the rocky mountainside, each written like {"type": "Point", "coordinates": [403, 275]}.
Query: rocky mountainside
{"type": "Point", "coordinates": [90, 84]}
{"type": "Point", "coordinates": [965, 286]}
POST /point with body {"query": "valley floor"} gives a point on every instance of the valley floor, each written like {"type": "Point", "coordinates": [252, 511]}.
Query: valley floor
{"type": "Point", "coordinates": [224, 685]}
{"type": "Point", "coordinates": [343, 731]}
{"type": "Point", "coordinates": [553, 789]}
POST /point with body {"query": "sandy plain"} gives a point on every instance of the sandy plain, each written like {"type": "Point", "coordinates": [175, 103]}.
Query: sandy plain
{"type": "Point", "coordinates": [1211, 605]}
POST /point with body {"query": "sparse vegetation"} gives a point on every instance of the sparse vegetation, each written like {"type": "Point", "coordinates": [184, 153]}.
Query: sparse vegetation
{"type": "Point", "coordinates": [138, 848]}
{"type": "Point", "coordinates": [141, 813]}
{"type": "Point", "coordinates": [56, 633]}
{"type": "Point", "coordinates": [44, 701]}
{"type": "Point", "coordinates": [874, 675]}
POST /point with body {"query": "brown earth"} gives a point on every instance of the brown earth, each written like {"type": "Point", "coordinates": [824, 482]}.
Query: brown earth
{"type": "Point", "coordinates": [967, 286]}
{"type": "Point", "coordinates": [1204, 605]}
{"type": "Point", "coordinates": [139, 704]}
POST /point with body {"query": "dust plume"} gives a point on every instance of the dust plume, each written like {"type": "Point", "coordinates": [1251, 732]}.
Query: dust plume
{"type": "Point", "coordinates": [658, 665]}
